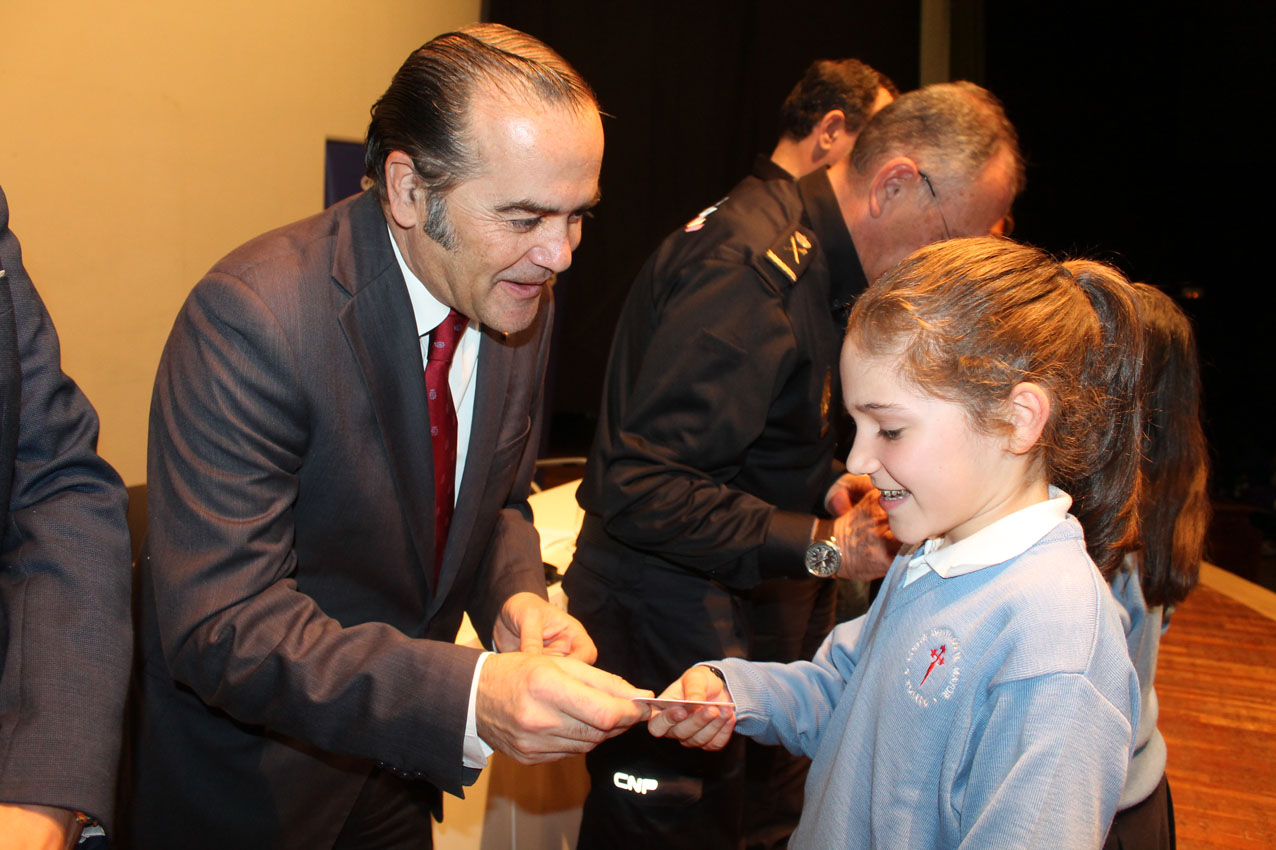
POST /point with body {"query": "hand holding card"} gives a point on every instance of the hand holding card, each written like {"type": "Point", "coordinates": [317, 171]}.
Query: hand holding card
{"type": "Point", "coordinates": [668, 702]}
{"type": "Point", "coordinates": [696, 710]}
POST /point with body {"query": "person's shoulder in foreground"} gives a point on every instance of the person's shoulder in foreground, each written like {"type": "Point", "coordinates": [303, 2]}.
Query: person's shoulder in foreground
{"type": "Point", "coordinates": [65, 638]}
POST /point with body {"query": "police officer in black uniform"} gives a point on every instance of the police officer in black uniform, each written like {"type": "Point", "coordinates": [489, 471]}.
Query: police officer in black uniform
{"type": "Point", "coordinates": [713, 455]}
{"type": "Point", "coordinates": [821, 117]}
{"type": "Point", "coordinates": [789, 618]}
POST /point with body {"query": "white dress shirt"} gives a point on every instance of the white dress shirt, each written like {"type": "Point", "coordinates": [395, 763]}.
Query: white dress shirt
{"type": "Point", "coordinates": [462, 380]}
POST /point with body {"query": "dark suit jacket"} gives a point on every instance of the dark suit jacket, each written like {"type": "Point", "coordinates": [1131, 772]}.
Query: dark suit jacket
{"type": "Point", "coordinates": [287, 575]}
{"type": "Point", "coordinates": [65, 638]}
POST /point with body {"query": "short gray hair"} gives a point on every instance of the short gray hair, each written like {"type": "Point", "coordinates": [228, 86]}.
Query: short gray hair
{"type": "Point", "coordinates": [951, 130]}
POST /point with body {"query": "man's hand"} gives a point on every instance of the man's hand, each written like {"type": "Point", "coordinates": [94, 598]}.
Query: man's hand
{"type": "Point", "coordinates": [530, 624]}
{"type": "Point", "coordinates": [846, 492]}
{"type": "Point", "coordinates": [861, 527]}
{"type": "Point", "coordinates": [707, 727]}
{"type": "Point", "coordinates": [37, 828]}
{"type": "Point", "coordinates": [538, 708]}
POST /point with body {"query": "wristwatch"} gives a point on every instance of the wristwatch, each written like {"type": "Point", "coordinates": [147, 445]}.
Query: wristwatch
{"type": "Point", "coordinates": [823, 555]}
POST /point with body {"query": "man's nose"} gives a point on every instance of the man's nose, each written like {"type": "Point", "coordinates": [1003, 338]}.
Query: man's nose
{"type": "Point", "coordinates": [555, 251]}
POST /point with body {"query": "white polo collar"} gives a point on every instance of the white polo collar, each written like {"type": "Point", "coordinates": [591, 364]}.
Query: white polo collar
{"type": "Point", "coordinates": [997, 543]}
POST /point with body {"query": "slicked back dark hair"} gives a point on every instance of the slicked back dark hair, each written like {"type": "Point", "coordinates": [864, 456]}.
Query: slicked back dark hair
{"type": "Point", "coordinates": [828, 84]}
{"type": "Point", "coordinates": [425, 111]}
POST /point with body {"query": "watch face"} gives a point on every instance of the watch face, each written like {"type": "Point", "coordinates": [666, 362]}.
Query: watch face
{"type": "Point", "coordinates": [822, 559]}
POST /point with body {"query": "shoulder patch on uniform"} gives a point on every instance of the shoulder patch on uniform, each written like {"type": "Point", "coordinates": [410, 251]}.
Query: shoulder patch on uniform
{"type": "Point", "coordinates": [698, 222]}
{"type": "Point", "coordinates": [791, 253]}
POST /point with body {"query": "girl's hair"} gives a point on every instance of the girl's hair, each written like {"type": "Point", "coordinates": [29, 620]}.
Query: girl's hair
{"type": "Point", "coordinates": [1174, 508]}
{"type": "Point", "coordinates": [971, 318]}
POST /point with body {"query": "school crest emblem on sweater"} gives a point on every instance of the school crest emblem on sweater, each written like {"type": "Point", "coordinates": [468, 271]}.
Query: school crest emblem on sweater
{"type": "Point", "coordinates": [932, 669]}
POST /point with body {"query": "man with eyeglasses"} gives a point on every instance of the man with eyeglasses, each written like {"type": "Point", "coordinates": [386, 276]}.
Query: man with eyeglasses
{"type": "Point", "coordinates": [713, 468]}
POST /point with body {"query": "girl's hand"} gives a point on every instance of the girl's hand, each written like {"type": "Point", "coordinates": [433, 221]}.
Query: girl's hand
{"type": "Point", "coordinates": [707, 727]}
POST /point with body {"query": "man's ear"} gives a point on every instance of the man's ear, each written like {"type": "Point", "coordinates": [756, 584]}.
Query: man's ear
{"type": "Point", "coordinates": [1029, 413]}
{"type": "Point", "coordinates": [830, 129]}
{"type": "Point", "coordinates": [891, 183]}
{"type": "Point", "coordinates": [401, 188]}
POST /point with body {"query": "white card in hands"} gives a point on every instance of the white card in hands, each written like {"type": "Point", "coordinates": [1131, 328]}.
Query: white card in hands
{"type": "Point", "coordinates": [664, 702]}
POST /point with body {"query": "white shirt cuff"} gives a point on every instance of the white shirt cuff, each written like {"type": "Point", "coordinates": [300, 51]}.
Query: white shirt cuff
{"type": "Point", "coordinates": [476, 751]}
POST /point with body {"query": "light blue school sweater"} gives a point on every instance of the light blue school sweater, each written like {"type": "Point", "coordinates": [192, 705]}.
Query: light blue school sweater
{"type": "Point", "coordinates": [990, 710]}
{"type": "Point", "coordinates": [1143, 638]}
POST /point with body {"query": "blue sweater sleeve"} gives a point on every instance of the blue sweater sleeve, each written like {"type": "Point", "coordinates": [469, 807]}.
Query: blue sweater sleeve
{"type": "Point", "coordinates": [790, 704]}
{"type": "Point", "coordinates": [1023, 786]}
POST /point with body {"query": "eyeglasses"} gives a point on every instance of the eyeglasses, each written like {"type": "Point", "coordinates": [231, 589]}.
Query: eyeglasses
{"type": "Point", "coordinates": [948, 234]}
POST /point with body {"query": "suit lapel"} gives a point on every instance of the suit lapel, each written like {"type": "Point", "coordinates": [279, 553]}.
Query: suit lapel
{"type": "Point", "coordinates": [10, 388]}
{"type": "Point", "coordinates": [380, 327]}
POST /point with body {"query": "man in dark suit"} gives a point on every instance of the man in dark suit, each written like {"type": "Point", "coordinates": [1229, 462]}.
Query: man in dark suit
{"type": "Point", "coordinates": [304, 576]}
{"type": "Point", "coordinates": [64, 584]}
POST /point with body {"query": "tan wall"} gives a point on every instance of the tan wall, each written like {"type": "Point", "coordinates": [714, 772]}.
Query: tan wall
{"type": "Point", "coordinates": [141, 140]}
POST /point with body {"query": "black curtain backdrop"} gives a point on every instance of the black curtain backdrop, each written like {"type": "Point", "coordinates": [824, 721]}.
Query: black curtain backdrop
{"type": "Point", "coordinates": [692, 91]}
{"type": "Point", "coordinates": [1142, 124]}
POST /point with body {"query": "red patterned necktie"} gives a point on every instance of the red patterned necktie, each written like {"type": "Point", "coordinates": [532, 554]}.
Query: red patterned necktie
{"type": "Point", "coordinates": [438, 360]}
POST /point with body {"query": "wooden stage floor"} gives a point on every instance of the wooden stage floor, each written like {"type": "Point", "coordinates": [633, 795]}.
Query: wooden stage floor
{"type": "Point", "coordinates": [1217, 687]}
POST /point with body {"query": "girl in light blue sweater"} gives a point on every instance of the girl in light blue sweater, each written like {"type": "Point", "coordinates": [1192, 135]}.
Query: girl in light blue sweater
{"type": "Point", "coordinates": [1174, 512]}
{"type": "Point", "coordinates": [986, 699]}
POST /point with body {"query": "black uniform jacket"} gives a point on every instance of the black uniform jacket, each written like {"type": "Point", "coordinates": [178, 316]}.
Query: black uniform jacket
{"type": "Point", "coordinates": [714, 445]}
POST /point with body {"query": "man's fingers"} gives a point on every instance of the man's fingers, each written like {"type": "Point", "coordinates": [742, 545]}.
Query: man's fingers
{"type": "Point", "coordinates": [531, 629]}
{"type": "Point", "coordinates": [596, 698]}
{"type": "Point", "coordinates": [609, 683]}
{"type": "Point", "coordinates": [540, 708]}
{"type": "Point", "coordinates": [569, 638]}
{"type": "Point", "coordinates": [533, 705]}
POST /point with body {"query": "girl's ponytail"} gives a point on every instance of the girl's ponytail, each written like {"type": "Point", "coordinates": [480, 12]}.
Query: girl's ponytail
{"type": "Point", "coordinates": [1174, 507]}
{"type": "Point", "coordinates": [1107, 422]}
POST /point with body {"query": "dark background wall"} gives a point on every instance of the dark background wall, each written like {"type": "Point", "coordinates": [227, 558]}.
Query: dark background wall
{"type": "Point", "coordinates": [1145, 142]}
{"type": "Point", "coordinates": [1144, 129]}
{"type": "Point", "coordinates": [692, 91]}
{"type": "Point", "coordinates": [1142, 124]}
